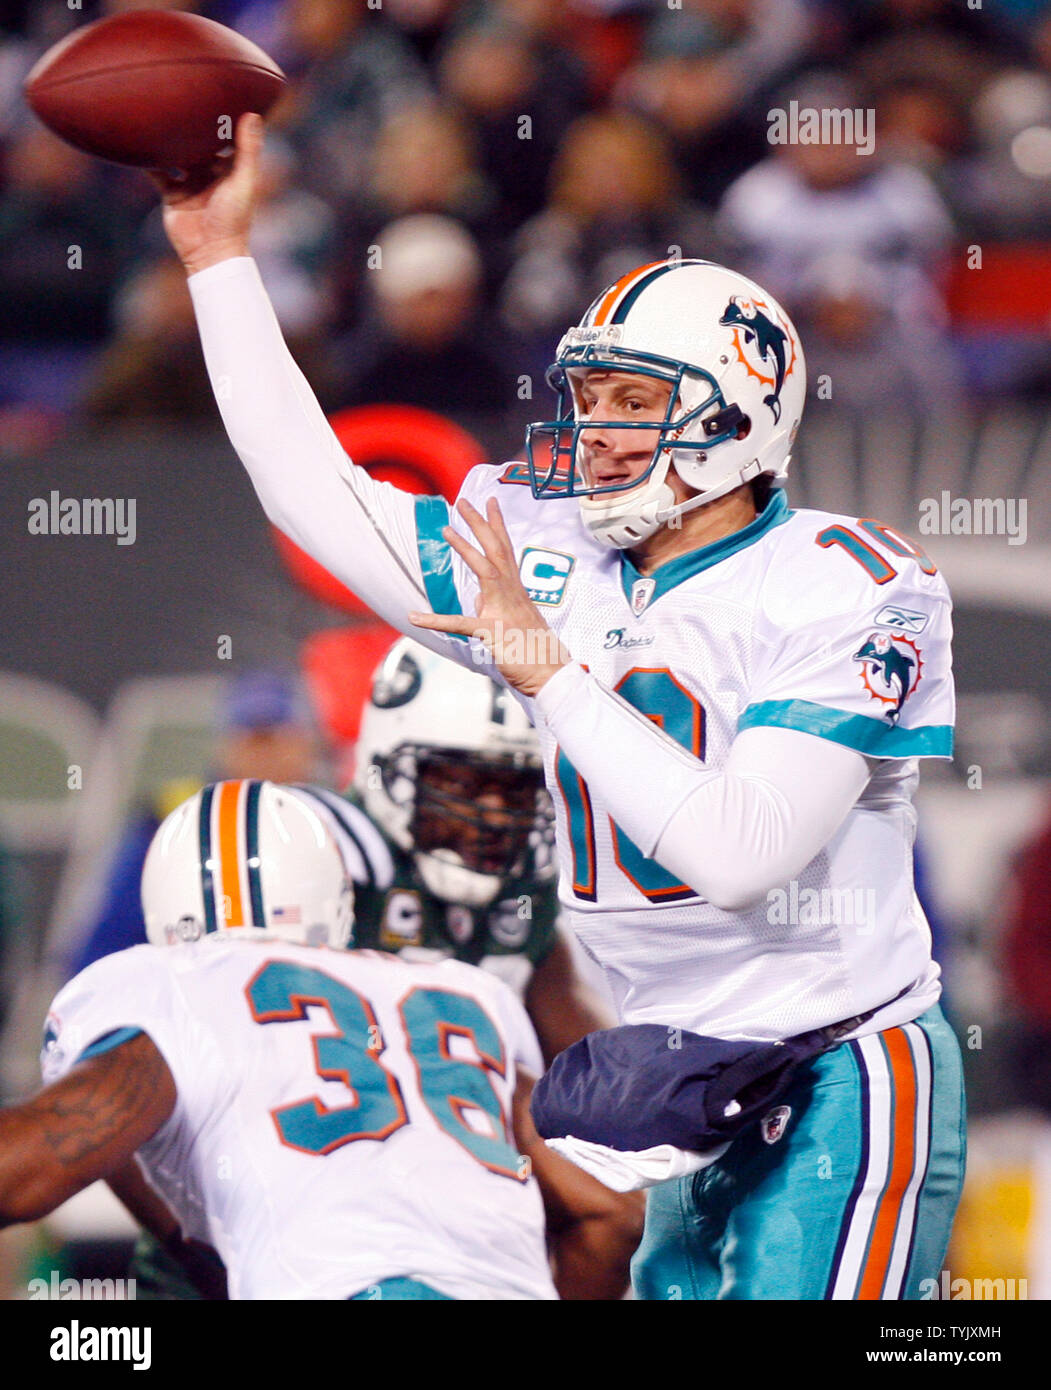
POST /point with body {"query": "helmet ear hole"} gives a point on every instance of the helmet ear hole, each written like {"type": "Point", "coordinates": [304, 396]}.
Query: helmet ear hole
{"type": "Point", "coordinates": [744, 429]}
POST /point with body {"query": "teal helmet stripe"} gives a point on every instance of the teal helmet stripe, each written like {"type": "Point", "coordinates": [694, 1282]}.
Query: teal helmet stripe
{"type": "Point", "coordinates": [204, 843]}
{"type": "Point", "coordinates": [255, 882]}
{"type": "Point", "coordinates": [624, 307]}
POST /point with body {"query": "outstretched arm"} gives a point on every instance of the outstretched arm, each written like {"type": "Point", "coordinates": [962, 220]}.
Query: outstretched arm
{"type": "Point", "coordinates": [81, 1128]}
{"type": "Point", "coordinates": [732, 834]}
{"type": "Point", "coordinates": [383, 543]}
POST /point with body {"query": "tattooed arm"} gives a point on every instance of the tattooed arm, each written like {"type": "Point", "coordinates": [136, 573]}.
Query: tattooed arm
{"type": "Point", "coordinates": [81, 1128]}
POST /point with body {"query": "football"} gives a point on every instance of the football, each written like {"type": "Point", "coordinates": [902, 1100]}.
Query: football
{"type": "Point", "coordinates": [152, 88]}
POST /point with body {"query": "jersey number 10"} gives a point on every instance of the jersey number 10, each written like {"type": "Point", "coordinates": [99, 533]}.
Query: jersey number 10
{"type": "Point", "coordinates": [657, 694]}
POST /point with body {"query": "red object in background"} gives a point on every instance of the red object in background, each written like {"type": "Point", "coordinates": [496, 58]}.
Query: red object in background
{"type": "Point", "coordinates": [338, 664]}
{"type": "Point", "coordinates": [607, 45]}
{"type": "Point", "coordinates": [1027, 938]}
{"type": "Point", "coordinates": [414, 449]}
{"type": "Point", "coordinates": [1011, 290]}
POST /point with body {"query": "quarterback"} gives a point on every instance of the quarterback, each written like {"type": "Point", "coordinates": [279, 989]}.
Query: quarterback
{"type": "Point", "coordinates": [731, 698]}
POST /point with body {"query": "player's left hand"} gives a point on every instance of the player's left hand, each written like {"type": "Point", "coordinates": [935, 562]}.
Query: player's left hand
{"type": "Point", "coordinates": [523, 648]}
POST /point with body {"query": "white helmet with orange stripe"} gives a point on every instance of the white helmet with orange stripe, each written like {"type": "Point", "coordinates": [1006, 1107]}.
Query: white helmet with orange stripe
{"type": "Point", "coordinates": [247, 858]}
{"type": "Point", "coordinates": [738, 381]}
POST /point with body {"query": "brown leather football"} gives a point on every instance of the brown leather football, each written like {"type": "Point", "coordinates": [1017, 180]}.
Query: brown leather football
{"type": "Point", "coordinates": [153, 88]}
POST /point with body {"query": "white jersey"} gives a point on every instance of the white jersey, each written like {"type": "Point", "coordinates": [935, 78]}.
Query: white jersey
{"type": "Point", "coordinates": [804, 621]}
{"type": "Point", "coordinates": [342, 1117]}
{"type": "Point", "coordinates": [832, 626]}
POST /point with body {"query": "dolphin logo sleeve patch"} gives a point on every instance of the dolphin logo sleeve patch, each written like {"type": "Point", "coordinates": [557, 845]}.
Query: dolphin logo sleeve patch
{"type": "Point", "coordinates": [890, 670]}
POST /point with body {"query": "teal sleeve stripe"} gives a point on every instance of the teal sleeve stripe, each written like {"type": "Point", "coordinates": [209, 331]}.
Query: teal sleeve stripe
{"type": "Point", "coordinates": [436, 556]}
{"type": "Point", "coordinates": [870, 736]}
{"type": "Point", "coordinates": [108, 1042]}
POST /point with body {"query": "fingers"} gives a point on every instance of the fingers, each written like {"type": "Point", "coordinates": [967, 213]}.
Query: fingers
{"type": "Point", "coordinates": [248, 139]}
{"type": "Point", "coordinates": [248, 145]}
{"type": "Point", "coordinates": [448, 622]}
{"type": "Point", "coordinates": [239, 167]}
{"type": "Point", "coordinates": [496, 521]}
{"type": "Point", "coordinates": [480, 565]}
{"type": "Point", "coordinates": [491, 533]}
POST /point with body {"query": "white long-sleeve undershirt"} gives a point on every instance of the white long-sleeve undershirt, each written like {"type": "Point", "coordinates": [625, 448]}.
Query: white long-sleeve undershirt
{"type": "Point", "coordinates": [732, 834]}
{"type": "Point", "coordinates": [361, 530]}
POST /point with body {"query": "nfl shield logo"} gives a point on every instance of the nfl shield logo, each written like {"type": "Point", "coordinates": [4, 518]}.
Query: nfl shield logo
{"type": "Point", "coordinates": [772, 1126]}
{"type": "Point", "coordinates": [641, 593]}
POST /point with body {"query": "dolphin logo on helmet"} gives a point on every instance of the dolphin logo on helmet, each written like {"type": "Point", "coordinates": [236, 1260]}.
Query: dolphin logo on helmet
{"type": "Point", "coordinates": [768, 338]}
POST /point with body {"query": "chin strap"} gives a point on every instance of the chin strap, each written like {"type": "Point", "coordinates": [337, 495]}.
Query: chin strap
{"type": "Point", "coordinates": [746, 475]}
{"type": "Point", "coordinates": [652, 514]}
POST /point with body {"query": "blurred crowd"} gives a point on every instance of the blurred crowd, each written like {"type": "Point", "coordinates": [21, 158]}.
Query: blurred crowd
{"type": "Point", "coordinates": [502, 161]}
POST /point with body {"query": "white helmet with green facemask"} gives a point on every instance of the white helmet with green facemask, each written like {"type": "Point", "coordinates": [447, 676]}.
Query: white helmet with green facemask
{"type": "Point", "coordinates": [449, 766]}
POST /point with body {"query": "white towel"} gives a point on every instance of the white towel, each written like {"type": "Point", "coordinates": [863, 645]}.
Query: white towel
{"type": "Point", "coordinates": [629, 1170]}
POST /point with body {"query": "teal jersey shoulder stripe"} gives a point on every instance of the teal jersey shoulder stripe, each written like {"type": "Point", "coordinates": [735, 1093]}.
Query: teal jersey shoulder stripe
{"type": "Point", "coordinates": [108, 1042]}
{"type": "Point", "coordinates": [668, 575]}
{"type": "Point", "coordinates": [867, 735]}
{"type": "Point", "coordinates": [436, 556]}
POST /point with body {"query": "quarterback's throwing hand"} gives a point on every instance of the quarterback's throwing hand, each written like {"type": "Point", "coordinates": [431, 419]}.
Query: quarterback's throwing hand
{"type": "Point", "coordinates": [523, 648]}
{"type": "Point", "coordinates": [210, 223]}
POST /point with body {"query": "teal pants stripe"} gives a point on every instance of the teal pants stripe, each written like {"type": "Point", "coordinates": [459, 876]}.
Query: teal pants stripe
{"type": "Point", "coordinates": [854, 1198]}
{"type": "Point", "coordinates": [413, 1290]}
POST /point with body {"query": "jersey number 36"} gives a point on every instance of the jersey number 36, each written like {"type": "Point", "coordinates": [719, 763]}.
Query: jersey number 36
{"type": "Point", "coordinates": [457, 1092]}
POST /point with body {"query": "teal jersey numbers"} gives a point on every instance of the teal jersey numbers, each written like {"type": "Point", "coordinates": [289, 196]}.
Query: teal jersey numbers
{"type": "Point", "coordinates": [667, 702]}
{"type": "Point", "coordinates": [455, 1087]}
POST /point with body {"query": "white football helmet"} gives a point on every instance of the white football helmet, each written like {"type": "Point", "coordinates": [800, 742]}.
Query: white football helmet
{"type": "Point", "coordinates": [738, 380]}
{"type": "Point", "coordinates": [450, 767]}
{"type": "Point", "coordinates": [247, 858]}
